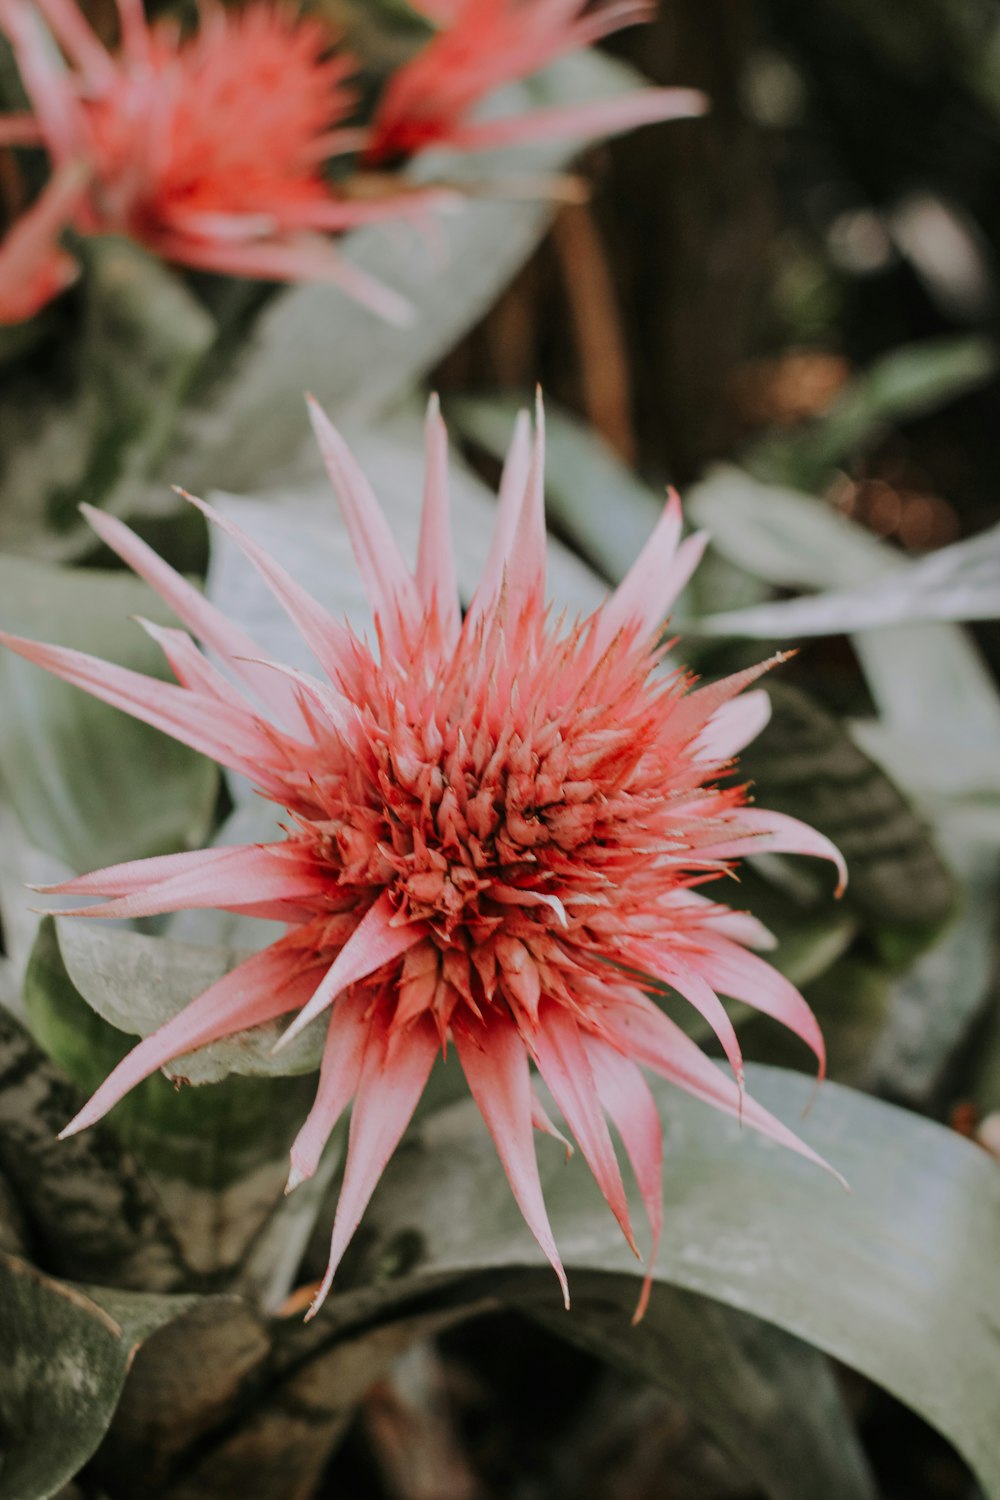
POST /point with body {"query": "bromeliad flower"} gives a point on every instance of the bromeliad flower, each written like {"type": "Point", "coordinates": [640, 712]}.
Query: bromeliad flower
{"type": "Point", "coordinates": [207, 150]}
{"type": "Point", "coordinates": [483, 44]}
{"type": "Point", "coordinates": [499, 831]}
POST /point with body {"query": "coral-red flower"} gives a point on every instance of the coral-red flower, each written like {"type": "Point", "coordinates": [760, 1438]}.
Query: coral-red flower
{"type": "Point", "coordinates": [499, 830]}
{"type": "Point", "coordinates": [206, 149]}
{"type": "Point", "coordinates": [483, 44]}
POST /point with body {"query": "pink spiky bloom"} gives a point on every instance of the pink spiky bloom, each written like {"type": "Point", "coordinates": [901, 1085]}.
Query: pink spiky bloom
{"type": "Point", "coordinates": [208, 150]}
{"type": "Point", "coordinates": [499, 830]}
{"type": "Point", "coordinates": [483, 44]}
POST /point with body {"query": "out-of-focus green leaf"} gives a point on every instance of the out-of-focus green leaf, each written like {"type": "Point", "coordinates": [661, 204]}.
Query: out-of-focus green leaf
{"type": "Point", "coordinates": [939, 705]}
{"type": "Point", "coordinates": [136, 983]}
{"type": "Point", "coordinates": [769, 1400]}
{"type": "Point", "coordinates": [936, 1004]}
{"type": "Point", "coordinates": [785, 536]}
{"type": "Point", "coordinates": [91, 785]}
{"type": "Point", "coordinates": [217, 1155]}
{"type": "Point", "coordinates": [961, 582]}
{"type": "Point", "coordinates": [897, 1278]}
{"type": "Point", "coordinates": [901, 385]}
{"type": "Point", "coordinates": [804, 763]}
{"type": "Point", "coordinates": [66, 1353]}
{"type": "Point", "coordinates": [316, 339]}
{"type": "Point", "coordinates": [143, 337]}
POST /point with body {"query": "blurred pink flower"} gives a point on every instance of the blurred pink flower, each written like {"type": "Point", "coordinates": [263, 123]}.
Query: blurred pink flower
{"type": "Point", "coordinates": [483, 44]}
{"type": "Point", "coordinates": [498, 832]}
{"type": "Point", "coordinates": [208, 150]}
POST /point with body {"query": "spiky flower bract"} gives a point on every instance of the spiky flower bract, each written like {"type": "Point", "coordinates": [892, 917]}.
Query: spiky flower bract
{"type": "Point", "coordinates": [207, 149]}
{"type": "Point", "coordinates": [499, 827]}
{"type": "Point", "coordinates": [483, 44]}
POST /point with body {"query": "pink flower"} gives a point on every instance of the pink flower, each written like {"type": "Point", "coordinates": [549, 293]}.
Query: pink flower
{"type": "Point", "coordinates": [499, 831]}
{"type": "Point", "coordinates": [34, 267]}
{"type": "Point", "coordinates": [483, 44]}
{"type": "Point", "coordinates": [207, 150]}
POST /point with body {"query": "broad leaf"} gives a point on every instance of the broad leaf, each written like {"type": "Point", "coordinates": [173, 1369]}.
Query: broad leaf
{"type": "Point", "coordinates": [938, 701]}
{"type": "Point", "coordinates": [961, 582]}
{"type": "Point", "coordinates": [66, 1354]}
{"type": "Point", "coordinates": [769, 1400]}
{"type": "Point", "coordinates": [93, 1214]}
{"type": "Point", "coordinates": [804, 763]}
{"type": "Point", "coordinates": [218, 1156]}
{"type": "Point", "coordinates": [897, 1278]}
{"type": "Point", "coordinates": [91, 785]}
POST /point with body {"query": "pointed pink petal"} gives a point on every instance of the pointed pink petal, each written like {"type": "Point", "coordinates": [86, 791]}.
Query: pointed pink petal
{"type": "Point", "coordinates": [340, 1073]}
{"type": "Point", "coordinates": [436, 581]}
{"type": "Point", "coordinates": [628, 1099]}
{"type": "Point", "coordinates": [393, 1077]}
{"type": "Point", "coordinates": [563, 1064]}
{"type": "Point", "coordinates": [636, 600]}
{"type": "Point", "coordinates": [741, 926]}
{"type": "Point", "coordinates": [698, 707]}
{"type": "Point", "coordinates": [525, 565]}
{"type": "Point", "coordinates": [651, 1039]}
{"type": "Point", "coordinates": [302, 258]}
{"type": "Point", "coordinates": [33, 266]}
{"type": "Point", "coordinates": [758, 831]}
{"type": "Point", "coordinates": [693, 985]}
{"type": "Point", "coordinates": [387, 580]}
{"type": "Point", "coordinates": [540, 1120]}
{"type": "Point", "coordinates": [732, 727]}
{"type": "Point", "coordinates": [190, 667]}
{"type": "Point", "coordinates": [495, 1064]}
{"type": "Point", "coordinates": [374, 942]}
{"type": "Point", "coordinates": [266, 985]}
{"type": "Point", "coordinates": [20, 130]}
{"type": "Point", "coordinates": [337, 214]}
{"type": "Point", "coordinates": [605, 117]}
{"type": "Point", "coordinates": [70, 26]}
{"type": "Point", "coordinates": [513, 483]}
{"type": "Point", "coordinates": [46, 78]}
{"type": "Point", "coordinates": [327, 640]}
{"type": "Point", "coordinates": [135, 34]}
{"type": "Point", "coordinates": [233, 739]}
{"type": "Point", "coordinates": [234, 877]}
{"type": "Point", "coordinates": [201, 617]}
{"type": "Point", "coordinates": [743, 976]}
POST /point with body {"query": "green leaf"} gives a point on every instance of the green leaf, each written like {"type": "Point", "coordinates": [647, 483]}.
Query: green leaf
{"type": "Point", "coordinates": [938, 701]}
{"type": "Point", "coordinates": [93, 1214]}
{"type": "Point", "coordinates": [66, 1355]}
{"type": "Point", "coordinates": [91, 785]}
{"type": "Point", "coordinates": [740, 1379]}
{"type": "Point", "coordinates": [903, 384]}
{"type": "Point", "coordinates": [943, 996]}
{"type": "Point", "coordinates": [897, 1278]}
{"type": "Point", "coordinates": [314, 338]}
{"type": "Point", "coordinates": [143, 336]}
{"type": "Point", "coordinates": [804, 764]}
{"type": "Point", "coordinates": [217, 1155]}
{"type": "Point", "coordinates": [961, 582]}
